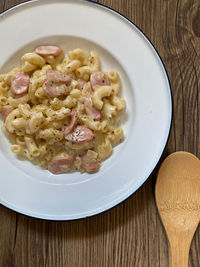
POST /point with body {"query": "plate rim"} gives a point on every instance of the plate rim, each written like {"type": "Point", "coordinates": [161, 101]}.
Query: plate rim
{"type": "Point", "coordinates": [96, 212]}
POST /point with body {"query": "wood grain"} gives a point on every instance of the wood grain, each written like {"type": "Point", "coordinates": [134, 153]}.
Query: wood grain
{"type": "Point", "coordinates": [130, 234]}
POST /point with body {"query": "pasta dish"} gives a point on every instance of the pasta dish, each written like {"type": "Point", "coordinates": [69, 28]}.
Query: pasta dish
{"type": "Point", "coordinates": [63, 112]}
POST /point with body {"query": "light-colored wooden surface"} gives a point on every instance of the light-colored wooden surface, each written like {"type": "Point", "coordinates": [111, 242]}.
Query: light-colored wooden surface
{"type": "Point", "coordinates": [178, 201]}
{"type": "Point", "coordinates": [130, 234]}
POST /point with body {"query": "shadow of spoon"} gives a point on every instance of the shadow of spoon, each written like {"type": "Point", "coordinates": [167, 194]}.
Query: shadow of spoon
{"type": "Point", "coordinates": [177, 195]}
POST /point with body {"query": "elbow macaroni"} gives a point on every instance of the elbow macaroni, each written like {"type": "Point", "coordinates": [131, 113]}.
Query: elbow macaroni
{"type": "Point", "coordinates": [35, 122]}
{"type": "Point", "coordinates": [99, 94]}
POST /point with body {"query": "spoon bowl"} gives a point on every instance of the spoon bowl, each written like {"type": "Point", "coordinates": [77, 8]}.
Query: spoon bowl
{"type": "Point", "coordinates": [177, 194]}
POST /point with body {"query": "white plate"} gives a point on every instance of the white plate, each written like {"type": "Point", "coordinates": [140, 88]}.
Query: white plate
{"type": "Point", "coordinates": [30, 190]}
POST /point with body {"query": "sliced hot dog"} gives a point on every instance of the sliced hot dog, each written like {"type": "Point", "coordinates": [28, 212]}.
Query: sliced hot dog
{"type": "Point", "coordinates": [54, 89]}
{"type": "Point", "coordinates": [6, 111]}
{"type": "Point", "coordinates": [53, 86]}
{"type": "Point", "coordinates": [91, 168]}
{"type": "Point", "coordinates": [20, 84]}
{"type": "Point", "coordinates": [99, 79]}
{"type": "Point", "coordinates": [80, 134]}
{"type": "Point", "coordinates": [56, 76]}
{"type": "Point", "coordinates": [61, 164]}
{"type": "Point", "coordinates": [89, 161]}
{"type": "Point", "coordinates": [48, 50]}
{"type": "Point", "coordinates": [51, 89]}
{"type": "Point", "coordinates": [91, 111]}
{"type": "Point", "coordinates": [70, 127]}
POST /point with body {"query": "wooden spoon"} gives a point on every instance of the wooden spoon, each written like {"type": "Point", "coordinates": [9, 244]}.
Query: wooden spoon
{"type": "Point", "coordinates": [178, 200]}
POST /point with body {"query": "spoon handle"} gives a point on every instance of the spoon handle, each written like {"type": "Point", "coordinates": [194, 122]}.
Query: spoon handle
{"type": "Point", "coordinates": [179, 250]}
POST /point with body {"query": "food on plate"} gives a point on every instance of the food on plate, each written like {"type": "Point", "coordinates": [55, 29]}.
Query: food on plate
{"type": "Point", "coordinates": [62, 111]}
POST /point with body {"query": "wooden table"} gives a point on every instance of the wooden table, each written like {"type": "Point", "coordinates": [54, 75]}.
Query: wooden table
{"type": "Point", "coordinates": [130, 234]}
